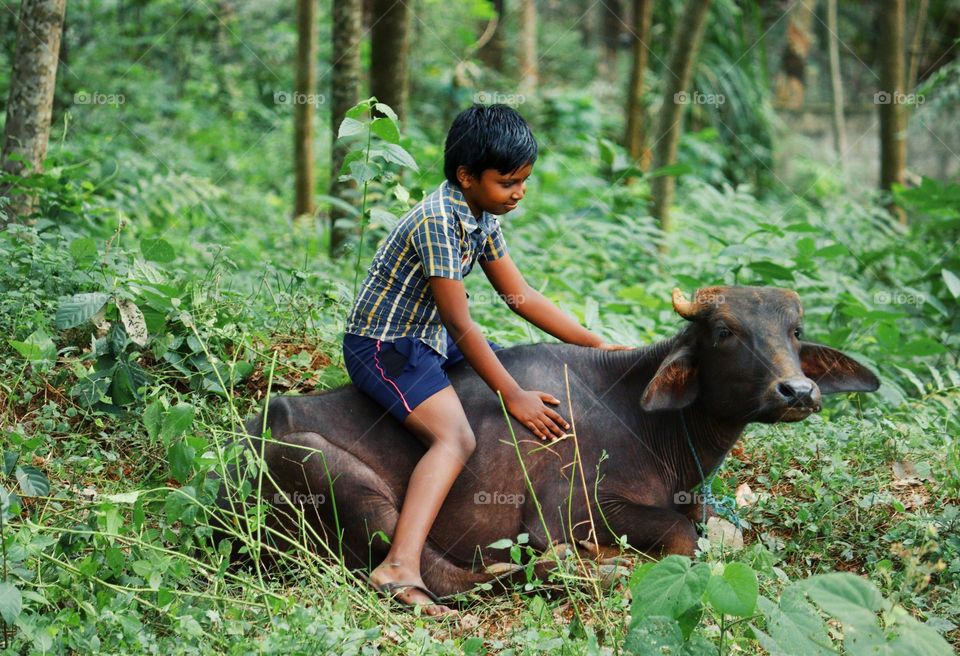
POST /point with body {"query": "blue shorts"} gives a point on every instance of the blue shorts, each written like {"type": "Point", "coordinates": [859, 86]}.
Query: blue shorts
{"type": "Point", "coordinates": [402, 374]}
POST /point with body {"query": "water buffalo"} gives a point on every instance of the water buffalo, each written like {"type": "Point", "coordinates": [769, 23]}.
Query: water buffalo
{"type": "Point", "coordinates": [343, 462]}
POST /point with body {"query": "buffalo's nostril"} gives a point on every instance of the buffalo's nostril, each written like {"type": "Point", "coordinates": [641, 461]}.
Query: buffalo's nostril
{"type": "Point", "coordinates": [798, 390]}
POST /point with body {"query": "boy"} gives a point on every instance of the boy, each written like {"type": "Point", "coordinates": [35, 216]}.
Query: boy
{"type": "Point", "coordinates": [410, 323]}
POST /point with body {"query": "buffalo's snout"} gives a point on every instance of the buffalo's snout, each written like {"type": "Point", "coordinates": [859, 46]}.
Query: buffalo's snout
{"type": "Point", "coordinates": [798, 393]}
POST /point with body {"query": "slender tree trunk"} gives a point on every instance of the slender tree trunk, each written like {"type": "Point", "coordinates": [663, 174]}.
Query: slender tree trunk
{"type": "Point", "coordinates": [586, 23]}
{"type": "Point", "coordinates": [225, 18]}
{"type": "Point", "coordinates": [836, 84]}
{"type": "Point", "coordinates": [635, 137]}
{"type": "Point", "coordinates": [344, 94]}
{"type": "Point", "coordinates": [491, 54]}
{"type": "Point", "coordinates": [389, 40]}
{"type": "Point", "coordinates": [791, 80]}
{"type": "Point", "coordinates": [529, 69]}
{"type": "Point", "coordinates": [683, 55]}
{"type": "Point", "coordinates": [303, 97]}
{"type": "Point", "coordinates": [916, 45]}
{"type": "Point", "coordinates": [32, 84]}
{"type": "Point", "coordinates": [893, 137]}
{"type": "Point", "coordinates": [612, 21]}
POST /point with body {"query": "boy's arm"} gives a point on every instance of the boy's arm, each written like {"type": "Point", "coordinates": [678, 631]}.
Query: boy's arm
{"type": "Point", "coordinates": [527, 406]}
{"type": "Point", "coordinates": [534, 306]}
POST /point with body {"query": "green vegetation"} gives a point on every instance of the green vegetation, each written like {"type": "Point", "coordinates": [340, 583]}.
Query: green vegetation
{"type": "Point", "coordinates": [161, 293]}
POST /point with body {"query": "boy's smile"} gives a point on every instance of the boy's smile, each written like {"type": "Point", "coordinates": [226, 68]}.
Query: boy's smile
{"type": "Point", "coordinates": [494, 192]}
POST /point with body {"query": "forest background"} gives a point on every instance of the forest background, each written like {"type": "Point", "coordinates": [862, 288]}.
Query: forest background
{"type": "Point", "coordinates": [191, 189]}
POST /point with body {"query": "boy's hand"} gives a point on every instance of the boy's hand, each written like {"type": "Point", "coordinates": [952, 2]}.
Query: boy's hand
{"type": "Point", "coordinates": [528, 408]}
{"type": "Point", "coordinates": [603, 346]}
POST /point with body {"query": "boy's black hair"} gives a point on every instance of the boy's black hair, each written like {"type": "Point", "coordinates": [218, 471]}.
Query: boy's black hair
{"type": "Point", "coordinates": [488, 137]}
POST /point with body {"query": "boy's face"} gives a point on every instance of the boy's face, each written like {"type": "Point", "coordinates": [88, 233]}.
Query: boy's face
{"type": "Point", "coordinates": [494, 192]}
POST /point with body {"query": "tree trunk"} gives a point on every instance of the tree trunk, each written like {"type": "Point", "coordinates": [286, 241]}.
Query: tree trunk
{"type": "Point", "coordinates": [635, 137]}
{"type": "Point", "coordinates": [893, 137]}
{"type": "Point", "coordinates": [388, 53]}
{"type": "Point", "coordinates": [836, 84]}
{"type": "Point", "coordinates": [529, 71]}
{"type": "Point", "coordinates": [612, 21]}
{"type": "Point", "coordinates": [225, 18]}
{"type": "Point", "coordinates": [585, 23]}
{"type": "Point", "coordinates": [491, 54]}
{"type": "Point", "coordinates": [32, 84]}
{"type": "Point", "coordinates": [303, 102]}
{"type": "Point", "coordinates": [683, 55]}
{"type": "Point", "coordinates": [344, 94]}
{"type": "Point", "coordinates": [790, 82]}
{"type": "Point", "coordinates": [916, 45]}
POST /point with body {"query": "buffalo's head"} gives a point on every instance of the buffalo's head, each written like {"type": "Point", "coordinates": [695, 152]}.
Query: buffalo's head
{"type": "Point", "coordinates": [744, 356]}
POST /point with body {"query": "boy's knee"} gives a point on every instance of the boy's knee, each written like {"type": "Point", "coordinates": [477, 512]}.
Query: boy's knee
{"type": "Point", "coordinates": [464, 442]}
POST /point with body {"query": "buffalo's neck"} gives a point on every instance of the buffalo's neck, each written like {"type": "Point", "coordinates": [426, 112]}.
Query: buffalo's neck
{"type": "Point", "coordinates": [661, 441]}
{"type": "Point", "coordinates": [703, 443]}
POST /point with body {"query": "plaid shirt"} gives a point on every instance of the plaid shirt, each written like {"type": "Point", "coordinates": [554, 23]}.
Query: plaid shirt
{"type": "Point", "coordinates": [439, 237]}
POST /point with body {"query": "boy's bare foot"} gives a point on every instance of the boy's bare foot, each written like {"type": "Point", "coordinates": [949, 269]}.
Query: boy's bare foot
{"type": "Point", "coordinates": [406, 586]}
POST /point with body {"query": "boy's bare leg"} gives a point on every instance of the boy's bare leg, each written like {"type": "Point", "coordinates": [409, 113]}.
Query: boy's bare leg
{"type": "Point", "coordinates": [441, 424]}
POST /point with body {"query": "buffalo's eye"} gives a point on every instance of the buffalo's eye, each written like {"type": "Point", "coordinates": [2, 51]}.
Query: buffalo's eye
{"type": "Point", "coordinates": [798, 332]}
{"type": "Point", "coordinates": [723, 333]}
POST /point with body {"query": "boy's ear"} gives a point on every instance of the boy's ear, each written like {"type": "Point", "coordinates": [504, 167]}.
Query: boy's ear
{"type": "Point", "coordinates": [465, 178]}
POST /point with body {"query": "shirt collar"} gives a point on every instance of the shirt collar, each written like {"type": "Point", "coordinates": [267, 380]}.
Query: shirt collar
{"type": "Point", "coordinates": [487, 222]}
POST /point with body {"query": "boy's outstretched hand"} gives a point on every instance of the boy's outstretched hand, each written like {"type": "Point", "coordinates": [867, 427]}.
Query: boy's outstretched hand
{"type": "Point", "coordinates": [603, 346]}
{"type": "Point", "coordinates": [528, 408]}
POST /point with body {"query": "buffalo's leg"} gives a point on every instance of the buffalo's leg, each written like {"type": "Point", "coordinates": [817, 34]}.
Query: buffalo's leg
{"type": "Point", "coordinates": [656, 531]}
{"type": "Point", "coordinates": [366, 505]}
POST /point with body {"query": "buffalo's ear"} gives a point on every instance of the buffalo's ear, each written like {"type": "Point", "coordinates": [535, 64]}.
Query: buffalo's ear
{"type": "Point", "coordinates": [675, 384]}
{"type": "Point", "coordinates": [835, 372]}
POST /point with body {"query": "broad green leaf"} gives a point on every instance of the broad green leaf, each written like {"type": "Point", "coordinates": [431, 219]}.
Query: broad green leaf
{"type": "Point", "coordinates": [38, 348]}
{"type": "Point", "coordinates": [734, 593]}
{"type": "Point", "coordinates": [771, 271]}
{"type": "Point", "coordinates": [670, 588]}
{"type": "Point", "coordinates": [794, 626]}
{"type": "Point", "coordinates": [91, 389]}
{"type": "Point", "coordinates": [33, 482]}
{"type": "Point", "coordinates": [383, 217]}
{"type": "Point", "coordinates": [157, 250]}
{"type": "Point", "coordinates": [10, 459]}
{"type": "Point", "coordinates": [922, 346]}
{"type": "Point", "coordinates": [661, 635]}
{"type": "Point", "coordinates": [351, 127]}
{"type": "Point", "coordinates": [79, 309]}
{"type": "Point", "coordinates": [386, 129]}
{"type": "Point", "coordinates": [177, 421]}
{"type": "Point", "coordinates": [153, 420]}
{"type": "Point", "coordinates": [83, 250]}
{"type": "Point", "coordinates": [501, 544]}
{"type": "Point", "coordinates": [395, 155]}
{"type": "Point", "coordinates": [847, 597]}
{"type": "Point", "coordinates": [11, 603]}
{"type": "Point", "coordinates": [8, 499]}
{"type": "Point", "coordinates": [952, 282]}
{"type": "Point", "coordinates": [181, 455]}
{"type": "Point", "coordinates": [386, 110]}
{"type": "Point", "coordinates": [363, 172]}
{"type": "Point", "coordinates": [914, 638]}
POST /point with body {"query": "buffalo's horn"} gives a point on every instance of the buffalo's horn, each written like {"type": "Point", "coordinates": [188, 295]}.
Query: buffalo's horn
{"type": "Point", "coordinates": [689, 310]}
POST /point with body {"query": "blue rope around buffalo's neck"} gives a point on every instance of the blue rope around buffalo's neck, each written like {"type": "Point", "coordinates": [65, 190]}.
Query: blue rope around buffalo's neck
{"type": "Point", "coordinates": [726, 506]}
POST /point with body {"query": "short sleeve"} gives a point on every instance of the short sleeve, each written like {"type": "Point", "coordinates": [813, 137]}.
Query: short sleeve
{"type": "Point", "coordinates": [494, 247]}
{"type": "Point", "coordinates": [436, 242]}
